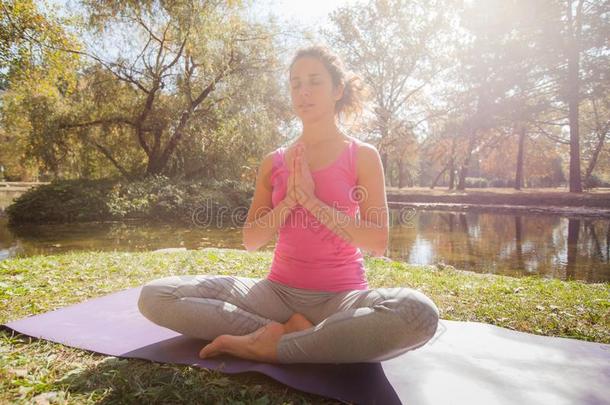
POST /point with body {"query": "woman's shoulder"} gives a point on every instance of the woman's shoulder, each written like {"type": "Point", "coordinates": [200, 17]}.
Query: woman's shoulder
{"type": "Point", "coordinates": [362, 147]}
{"type": "Point", "coordinates": [366, 155]}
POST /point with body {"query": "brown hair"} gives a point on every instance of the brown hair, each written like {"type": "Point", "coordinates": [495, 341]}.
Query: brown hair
{"type": "Point", "coordinates": [355, 91]}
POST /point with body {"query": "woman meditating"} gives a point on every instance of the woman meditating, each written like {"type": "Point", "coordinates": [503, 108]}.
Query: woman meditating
{"type": "Point", "coordinates": [325, 195]}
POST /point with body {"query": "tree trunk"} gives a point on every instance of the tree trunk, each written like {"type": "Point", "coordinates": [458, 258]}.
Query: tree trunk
{"type": "Point", "coordinates": [452, 175]}
{"type": "Point", "coordinates": [593, 161]}
{"type": "Point", "coordinates": [466, 163]}
{"type": "Point", "coordinates": [401, 177]}
{"type": "Point", "coordinates": [384, 160]}
{"type": "Point", "coordinates": [438, 176]}
{"type": "Point", "coordinates": [601, 138]}
{"type": "Point", "coordinates": [462, 177]}
{"type": "Point", "coordinates": [154, 165]}
{"type": "Point", "coordinates": [520, 152]}
{"type": "Point", "coordinates": [451, 166]}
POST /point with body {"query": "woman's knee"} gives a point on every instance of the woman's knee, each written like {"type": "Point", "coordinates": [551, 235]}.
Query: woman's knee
{"type": "Point", "coordinates": [153, 294]}
{"type": "Point", "coordinates": [419, 312]}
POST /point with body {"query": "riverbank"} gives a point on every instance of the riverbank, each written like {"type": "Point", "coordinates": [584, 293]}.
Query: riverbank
{"type": "Point", "coordinates": [39, 284]}
{"type": "Point", "coordinates": [557, 201]}
{"type": "Point", "coordinates": [599, 198]}
{"type": "Point", "coordinates": [544, 201]}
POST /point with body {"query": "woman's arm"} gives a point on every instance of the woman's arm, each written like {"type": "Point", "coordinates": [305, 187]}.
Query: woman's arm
{"type": "Point", "coordinates": [369, 231]}
{"type": "Point", "coordinates": [263, 221]}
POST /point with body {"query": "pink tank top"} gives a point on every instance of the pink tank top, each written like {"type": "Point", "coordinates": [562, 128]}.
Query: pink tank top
{"type": "Point", "coordinates": [308, 254]}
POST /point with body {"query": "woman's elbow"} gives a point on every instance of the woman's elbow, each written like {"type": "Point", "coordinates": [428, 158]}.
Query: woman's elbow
{"type": "Point", "coordinates": [379, 252]}
{"type": "Point", "coordinates": [247, 245]}
{"type": "Point", "coordinates": [250, 247]}
{"type": "Point", "coordinates": [247, 241]}
{"type": "Point", "coordinates": [382, 245]}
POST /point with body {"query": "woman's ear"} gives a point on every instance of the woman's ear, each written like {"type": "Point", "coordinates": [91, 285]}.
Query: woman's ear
{"type": "Point", "coordinates": [339, 92]}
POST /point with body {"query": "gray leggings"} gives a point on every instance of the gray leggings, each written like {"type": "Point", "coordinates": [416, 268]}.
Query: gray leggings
{"type": "Point", "coordinates": [350, 326]}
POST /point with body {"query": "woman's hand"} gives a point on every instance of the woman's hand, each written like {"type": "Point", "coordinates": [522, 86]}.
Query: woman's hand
{"type": "Point", "coordinates": [291, 198]}
{"type": "Point", "coordinates": [303, 180]}
{"type": "Point", "coordinates": [301, 185]}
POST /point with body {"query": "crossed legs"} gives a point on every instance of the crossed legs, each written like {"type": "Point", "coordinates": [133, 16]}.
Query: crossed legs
{"type": "Point", "coordinates": [262, 320]}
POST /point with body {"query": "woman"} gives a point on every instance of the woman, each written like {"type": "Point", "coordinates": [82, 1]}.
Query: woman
{"type": "Point", "coordinates": [315, 305]}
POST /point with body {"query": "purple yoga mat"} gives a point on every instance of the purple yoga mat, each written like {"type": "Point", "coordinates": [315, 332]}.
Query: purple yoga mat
{"type": "Point", "coordinates": [464, 363]}
{"type": "Point", "coordinates": [113, 325]}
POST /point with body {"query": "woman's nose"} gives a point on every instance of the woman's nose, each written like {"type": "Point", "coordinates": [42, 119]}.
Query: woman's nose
{"type": "Point", "coordinates": [304, 91]}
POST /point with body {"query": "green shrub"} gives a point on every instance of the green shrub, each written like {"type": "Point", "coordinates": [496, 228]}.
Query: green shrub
{"type": "Point", "coordinates": [501, 183]}
{"type": "Point", "coordinates": [62, 201]}
{"type": "Point", "coordinates": [155, 198]}
{"type": "Point", "coordinates": [595, 181]}
{"type": "Point", "coordinates": [476, 182]}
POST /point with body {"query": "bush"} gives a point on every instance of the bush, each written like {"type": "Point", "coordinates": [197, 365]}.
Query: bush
{"type": "Point", "coordinates": [154, 198]}
{"type": "Point", "coordinates": [501, 183]}
{"type": "Point", "coordinates": [497, 183]}
{"type": "Point", "coordinates": [62, 201]}
{"type": "Point", "coordinates": [476, 182]}
{"type": "Point", "coordinates": [594, 181]}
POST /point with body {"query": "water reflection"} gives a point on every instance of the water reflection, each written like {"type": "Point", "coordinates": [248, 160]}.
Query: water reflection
{"type": "Point", "coordinates": [551, 246]}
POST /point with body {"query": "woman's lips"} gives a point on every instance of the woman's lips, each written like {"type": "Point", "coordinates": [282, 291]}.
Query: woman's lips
{"type": "Point", "coordinates": [306, 106]}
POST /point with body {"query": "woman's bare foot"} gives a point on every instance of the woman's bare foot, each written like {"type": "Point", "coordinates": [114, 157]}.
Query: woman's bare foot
{"type": "Point", "coordinates": [297, 322]}
{"type": "Point", "coordinates": [260, 345]}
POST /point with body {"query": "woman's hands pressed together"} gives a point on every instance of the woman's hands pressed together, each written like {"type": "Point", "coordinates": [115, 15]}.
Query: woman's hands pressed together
{"type": "Point", "coordinates": [301, 186]}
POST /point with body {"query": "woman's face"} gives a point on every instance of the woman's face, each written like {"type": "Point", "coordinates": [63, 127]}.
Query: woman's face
{"type": "Point", "coordinates": [311, 89]}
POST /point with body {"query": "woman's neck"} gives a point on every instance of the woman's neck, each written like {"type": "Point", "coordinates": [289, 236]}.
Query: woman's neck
{"type": "Point", "coordinates": [320, 131]}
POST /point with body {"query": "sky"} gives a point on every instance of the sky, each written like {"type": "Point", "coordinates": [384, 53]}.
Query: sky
{"type": "Point", "coordinates": [308, 15]}
{"type": "Point", "coordinates": [310, 11]}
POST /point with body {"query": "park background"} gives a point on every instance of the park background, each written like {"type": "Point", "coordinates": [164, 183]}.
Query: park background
{"type": "Point", "coordinates": [128, 129]}
{"type": "Point", "coordinates": [482, 111]}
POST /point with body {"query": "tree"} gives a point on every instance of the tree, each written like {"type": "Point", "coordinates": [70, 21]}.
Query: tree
{"type": "Point", "coordinates": [28, 38]}
{"type": "Point", "coordinates": [575, 43]}
{"type": "Point", "coordinates": [186, 62]}
{"type": "Point", "coordinates": [34, 75]}
{"type": "Point", "coordinates": [397, 46]}
{"type": "Point", "coordinates": [596, 122]}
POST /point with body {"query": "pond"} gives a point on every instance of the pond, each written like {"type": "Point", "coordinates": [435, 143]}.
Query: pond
{"type": "Point", "coordinates": [516, 245]}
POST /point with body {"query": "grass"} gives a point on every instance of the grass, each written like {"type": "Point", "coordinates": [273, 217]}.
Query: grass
{"type": "Point", "coordinates": [38, 370]}
{"type": "Point", "coordinates": [494, 190]}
